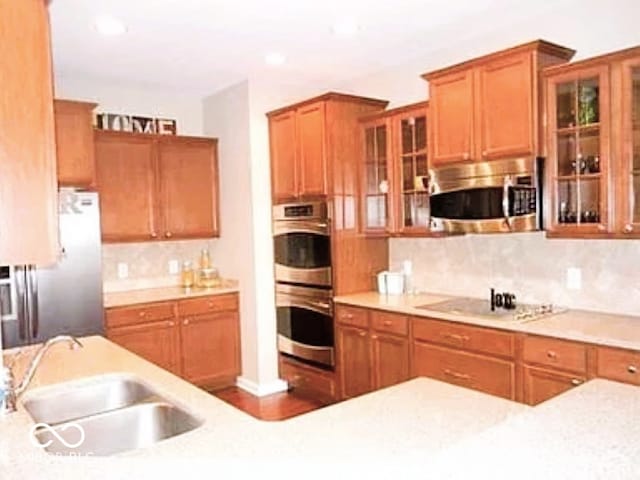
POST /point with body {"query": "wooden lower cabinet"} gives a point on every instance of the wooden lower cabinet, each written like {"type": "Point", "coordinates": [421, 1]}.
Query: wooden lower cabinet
{"type": "Point", "coordinates": [354, 360]}
{"type": "Point", "coordinates": [198, 338]}
{"type": "Point", "coordinates": [490, 375]}
{"type": "Point", "coordinates": [543, 384]}
{"type": "Point", "coordinates": [154, 341]}
{"type": "Point", "coordinates": [618, 364]}
{"type": "Point", "coordinates": [390, 360]}
{"type": "Point", "coordinates": [307, 380]}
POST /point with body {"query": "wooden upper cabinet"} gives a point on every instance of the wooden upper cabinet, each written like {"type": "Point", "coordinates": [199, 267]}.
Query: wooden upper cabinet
{"type": "Point", "coordinates": [506, 107]}
{"type": "Point", "coordinates": [282, 134]}
{"type": "Point", "coordinates": [487, 108]}
{"type": "Point", "coordinates": [452, 103]}
{"type": "Point", "coordinates": [307, 141]}
{"type": "Point", "coordinates": [125, 171]}
{"type": "Point", "coordinates": [28, 197]}
{"type": "Point", "coordinates": [188, 179]}
{"type": "Point", "coordinates": [74, 143]}
{"type": "Point", "coordinates": [311, 145]}
{"type": "Point", "coordinates": [154, 188]}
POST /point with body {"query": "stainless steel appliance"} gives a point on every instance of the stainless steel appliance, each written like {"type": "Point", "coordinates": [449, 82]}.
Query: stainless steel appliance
{"type": "Point", "coordinates": [40, 303]}
{"type": "Point", "coordinates": [487, 197]}
{"type": "Point", "coordinates": [305, 323]}
{"type": "Point", "coordinates": [302, 243]}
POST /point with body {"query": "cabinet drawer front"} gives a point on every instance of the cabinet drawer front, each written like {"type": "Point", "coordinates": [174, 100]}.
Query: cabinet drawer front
{"type": "Point", "coordinates": [541, 385]}
{"type": "Point", "coordinates": [150, 312]}
{"type": "Point", "coordinates": [321, 385]}
{"type": "Point", "coordinates": [555, 353]}
{"type": "Point", "coordinates": [358, 317]}
{"type": "Point", "coordinates": [390, 323]}
{"type": "Point", "coordinates": [620, 365]}
{"type": "Point", "coordinates": [490, 375]}
{"type": "Point", "coordinates": [476, 339]}
{"type": "Point", "coordinates": [214, 303]}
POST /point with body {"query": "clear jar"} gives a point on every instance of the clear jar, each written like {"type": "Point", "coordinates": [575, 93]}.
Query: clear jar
{"type": "Point", "coordinates": [187, 275]}
{"type": "Point", "coordinates": [205, 259]}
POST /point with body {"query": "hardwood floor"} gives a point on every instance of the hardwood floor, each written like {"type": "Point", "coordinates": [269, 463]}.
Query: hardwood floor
{"type": "Point", "coordinates": [278, 406]}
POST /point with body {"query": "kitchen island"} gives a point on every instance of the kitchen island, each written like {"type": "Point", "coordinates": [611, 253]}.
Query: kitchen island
{"type": "Point", "coordinates": [417, 428]}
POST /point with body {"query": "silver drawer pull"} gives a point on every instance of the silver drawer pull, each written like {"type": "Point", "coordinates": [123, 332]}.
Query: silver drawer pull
{"type": "Point", "coordinates": [454, 336]}
{"type": "Point", "coordinates": [456, 375]}
{"type": "Point", "coordinates": [576, 381]}
{"type": "Point", "coordinates": [552, 354]}
{"type": "Point", "coordinates": [632, 369]}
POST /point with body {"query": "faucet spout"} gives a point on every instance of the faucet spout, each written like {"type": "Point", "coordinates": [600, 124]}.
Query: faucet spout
{"type": "Point", "coordinates": [11, 393]}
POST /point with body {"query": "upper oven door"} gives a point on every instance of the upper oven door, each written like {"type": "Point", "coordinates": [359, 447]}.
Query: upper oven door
{"type": "Point", "coordinates": [302, 250]}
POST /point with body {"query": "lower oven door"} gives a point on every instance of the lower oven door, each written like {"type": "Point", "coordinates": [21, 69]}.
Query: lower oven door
{"type": "Point", "coordinates": [305, 323]}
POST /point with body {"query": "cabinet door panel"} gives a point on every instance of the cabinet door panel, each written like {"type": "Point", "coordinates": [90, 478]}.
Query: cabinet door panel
{"type": "Point", "coordinates": [155, 341]}
{"type": "Point", "coordinates": [188, 180]}
{"type": "Point", "coordinates": [74, 143]}
{"type": "Point", "coordinates": [282, 133]}
{"type": "Point", "coordinates": [210, 348]}
{"type": "Point", "coordinates": [126, 183]}
{"type": "Point", "coordinates": [506, 107]}
{"type": "Point", "coordinates": [390, 360]}
{"type": "Point", "coordinates": [541, 385]}
{"type": "Point", "coordinates": [354, 361]}
{"type": "Point", "coordinates": [451, 111]}
{"type": "Point", "coordinates": [28, 196]}
{"type": "Point", "coordinates": [311, 154]}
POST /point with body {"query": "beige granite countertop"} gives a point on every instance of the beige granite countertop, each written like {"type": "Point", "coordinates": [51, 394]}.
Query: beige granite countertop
{"type": "Point", "coordinates": [422, 428]}
{"type": "Point", "coordinates": [580, 325]}
{"type": "Point", "coordinates": [159, 294]}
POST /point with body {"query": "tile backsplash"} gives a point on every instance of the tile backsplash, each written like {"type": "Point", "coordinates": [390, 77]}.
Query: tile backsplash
{"type": "Point", "coordinates": [151, 259]}
{"type": "Point", "coordinates": [529, 265]}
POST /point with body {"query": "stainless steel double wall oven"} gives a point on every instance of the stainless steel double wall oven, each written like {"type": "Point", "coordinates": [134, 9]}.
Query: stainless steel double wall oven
{"type": "Point", "coordinates": [304, 294]}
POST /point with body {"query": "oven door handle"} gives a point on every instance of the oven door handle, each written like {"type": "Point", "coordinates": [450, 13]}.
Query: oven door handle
{"type": "Point", "coordinates": [301, 226]}
{"type": "Point", "coordinates": [506, 185]}
{"type": "Point", "coordinates": [318, 306]}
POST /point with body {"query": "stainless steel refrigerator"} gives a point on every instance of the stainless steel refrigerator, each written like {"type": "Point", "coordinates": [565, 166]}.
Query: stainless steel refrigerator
{"type": "Point", "coordinates": [66, 298]}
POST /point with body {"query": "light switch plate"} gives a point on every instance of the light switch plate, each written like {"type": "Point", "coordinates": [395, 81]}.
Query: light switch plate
{"type": "Point", "coordinates": [574, 278]}
{"type": "Point", "coordinates": [174, 267]}
{"type": "Point", "coordinates": [123, 270]}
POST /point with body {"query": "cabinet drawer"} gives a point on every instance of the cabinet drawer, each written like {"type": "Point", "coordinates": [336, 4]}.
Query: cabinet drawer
{"type": "Point", "coordinates": [483, 340]}
{"type": "Point", "coordinates": [620, 365]}
{"type": "Point", "coordinates": [214, 303]}
{"type": "Point", "coordinates": [490, 375]}
{"type": "Point", "coordinates": [319, 385]}
{"type": "Point", "coordinates": [541, 385]}
{"type": "Point", "coordinates": [555, 353]}
{"type": "Point", "coordinates": [149, 312]}
{"type": "Point", "coordinates": [390, 323]}
{"type": "Point", "coordinates": [358, 317]}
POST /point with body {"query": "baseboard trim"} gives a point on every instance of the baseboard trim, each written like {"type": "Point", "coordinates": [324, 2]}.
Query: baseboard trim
{"type": "Point", "coordinates": [261, 389]}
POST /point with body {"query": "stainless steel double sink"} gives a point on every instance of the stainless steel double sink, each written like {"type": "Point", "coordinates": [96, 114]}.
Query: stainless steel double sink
{"type": "Point", "coordinates": [103, 416]}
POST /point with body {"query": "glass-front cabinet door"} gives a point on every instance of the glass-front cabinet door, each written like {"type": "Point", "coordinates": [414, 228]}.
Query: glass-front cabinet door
{"type": "Point", "coordinates": [578, 136]}
{"type": "Point", "coordinates": [376, 178]}
{"type": "Point", "coordinates": [410, 158]}
{"type": "Point", "coordinates": [630, 154]}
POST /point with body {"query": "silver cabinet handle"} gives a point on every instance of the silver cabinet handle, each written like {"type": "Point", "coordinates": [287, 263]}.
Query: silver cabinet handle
{"type": "Point", "coordinates": [576, 381]}
{"type": "Point", "coordinates": [632, 369]}
{"type": "Point", "coordinates": [186, 322]}
{"type": "Point", "coordinates": [628, 228]}
{"type": "Point", "coordinates": [154, 235]}
{"type": "Point", "coordinates": [506, 185]}
{"type": "Point", "coordinates": [456, 375]}
{"type": "Point", "coordinates": [551, 354]}
{"type": "Point", "coordinates": [168, 234]}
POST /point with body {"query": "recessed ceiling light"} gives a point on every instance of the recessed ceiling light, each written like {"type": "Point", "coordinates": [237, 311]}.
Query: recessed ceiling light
{"type": "Point", "coordinates": [110, 26]}
{"type": "Point", "coordinates": [274, 59]}
{"type": "Point", "coordinates": [345, 28]}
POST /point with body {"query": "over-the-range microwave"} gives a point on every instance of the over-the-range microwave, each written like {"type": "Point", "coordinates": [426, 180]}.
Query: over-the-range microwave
{"type": "Point", "coordinates": [487, 197]}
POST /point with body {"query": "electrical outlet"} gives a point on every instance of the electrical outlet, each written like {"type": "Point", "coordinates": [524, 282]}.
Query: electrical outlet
{"type": "Point", "coordinates": [123, 270]}
{"type": "Point", "coordinates": [574, 278]}
{"type": "Point", "coordinates": [174, 267]}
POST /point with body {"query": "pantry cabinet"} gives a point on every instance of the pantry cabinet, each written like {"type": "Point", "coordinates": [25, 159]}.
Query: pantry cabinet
{"type": "Point", "coordinates": [487, 108]}
{"type": "Point", "coordinates": [372, 350]}
{"type": "Point", "coordinates": [28, 197]}
{"type": "Point", "coordinates": [197, 338]}
{"type": "Point", "coordinates": [156, 188]}
{"type": "Point", "coordinates": [394, 191]}
{"type": "Point", "coordinates": [306, 144]}
{"type": "Point", "coordinates": [74, 144]}
{"type": "Point", "coordinates": [592, 139]}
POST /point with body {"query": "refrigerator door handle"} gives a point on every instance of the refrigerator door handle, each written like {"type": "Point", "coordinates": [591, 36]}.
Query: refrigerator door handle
{"type": "Point", "coordinates": [33, 297]}
{"type": "Point", "coordinates": [20, 273]}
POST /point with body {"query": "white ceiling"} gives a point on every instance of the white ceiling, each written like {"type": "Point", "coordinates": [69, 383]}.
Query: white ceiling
{"type": "Point", "coordinates": [201, 46]}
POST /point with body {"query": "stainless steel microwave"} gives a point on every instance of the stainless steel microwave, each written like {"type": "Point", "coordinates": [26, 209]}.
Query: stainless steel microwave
{"type": "Point", "coordinates": [487, 197]}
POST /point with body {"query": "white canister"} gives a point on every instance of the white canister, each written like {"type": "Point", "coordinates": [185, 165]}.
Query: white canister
{"type": "Point", "coordinates": [382, 283]}
{"type": "Point", "coordinates": [395, 283]}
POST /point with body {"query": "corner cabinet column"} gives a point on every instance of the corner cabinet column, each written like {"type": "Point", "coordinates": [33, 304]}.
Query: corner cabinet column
{"type": "Point", "coordinates": [28, 197]}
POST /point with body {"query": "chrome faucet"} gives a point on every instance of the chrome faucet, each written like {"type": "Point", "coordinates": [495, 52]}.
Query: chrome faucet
{"type": "Point", "coordinates": [10, 394]}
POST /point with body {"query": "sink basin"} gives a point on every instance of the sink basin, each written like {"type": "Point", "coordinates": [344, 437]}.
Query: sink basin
{"type": "Point", "coordinates": [118, 431]}
{"type": "Point", "coordinates": [69, 401]}
{"type": "Point", "coordinates": [103, 416]}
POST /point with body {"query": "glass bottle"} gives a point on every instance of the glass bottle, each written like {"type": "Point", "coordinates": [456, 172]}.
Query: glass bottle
{"type": "Point", "coordinates": [187, 276]}
{"type": "Point", "coordinates": [205, 259]}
